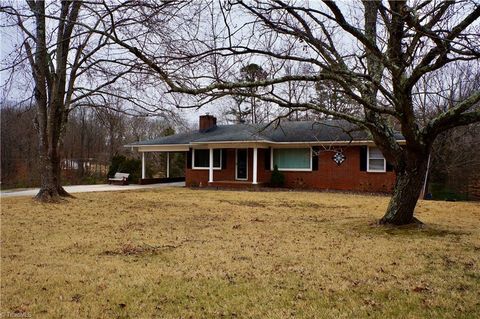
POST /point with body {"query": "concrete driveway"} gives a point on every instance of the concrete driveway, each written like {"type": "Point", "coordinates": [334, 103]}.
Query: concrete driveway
{"type": "Point", "coordinates": [89, 188]}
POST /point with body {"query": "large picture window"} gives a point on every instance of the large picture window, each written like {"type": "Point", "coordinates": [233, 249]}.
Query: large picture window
{"type": "Point", "coordinates": [292, 159]}
{"type": "Point", "coordinates": [201, 158]}
{"type": "Point", "coordinates": [376, 162]}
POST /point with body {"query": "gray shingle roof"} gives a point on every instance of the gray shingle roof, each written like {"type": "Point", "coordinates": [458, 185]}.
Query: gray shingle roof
{"type": "Point", "coordinates": [286, 131]}
{"type": "Point", "coordinates": [235, 132]}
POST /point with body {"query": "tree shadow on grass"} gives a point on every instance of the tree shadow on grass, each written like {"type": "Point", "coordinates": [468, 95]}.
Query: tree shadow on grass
{"type": "Point", "coordinates": [411, 230]}
{"type": "Point", "coordinates": [419, 230]}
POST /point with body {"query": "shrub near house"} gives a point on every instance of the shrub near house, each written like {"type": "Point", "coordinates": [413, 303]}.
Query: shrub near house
{"type": "Point", "coordinates": [277, 179]}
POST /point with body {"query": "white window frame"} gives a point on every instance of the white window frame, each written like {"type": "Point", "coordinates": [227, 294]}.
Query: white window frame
{"type": "Point", "coordinates": [291, 169]}
{"type": "Point", "coordinates": [236, 163]}
{"type": "Point", "coordinates": [368, 162]}
{"type": "Point", "coordinates": [218, 168]}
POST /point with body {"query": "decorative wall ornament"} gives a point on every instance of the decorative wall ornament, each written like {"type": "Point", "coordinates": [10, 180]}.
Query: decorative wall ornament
{"type": "Point", "coordinates": [339, 158]}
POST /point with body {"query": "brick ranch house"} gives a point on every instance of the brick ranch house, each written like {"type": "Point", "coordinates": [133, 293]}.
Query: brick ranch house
{"type": "Point", "coordinates": [329, 154]}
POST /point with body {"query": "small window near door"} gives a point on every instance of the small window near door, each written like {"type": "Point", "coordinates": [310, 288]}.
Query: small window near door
{"type": "Point", "coordinates": [201, 159]}
{"type": "Point", "coordinates": [376, 162]}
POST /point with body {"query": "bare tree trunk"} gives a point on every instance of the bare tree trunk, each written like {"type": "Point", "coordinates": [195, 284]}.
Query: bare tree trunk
{"type": "Point", "coordinates": [49, 121]}
{"type": "Point", "coordinates": [50, 187]}
{"type": "Point", "coordinates": [406, 192]}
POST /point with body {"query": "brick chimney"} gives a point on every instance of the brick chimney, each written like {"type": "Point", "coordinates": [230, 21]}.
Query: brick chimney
{"type": "Point", "coordinates": [207, 122]}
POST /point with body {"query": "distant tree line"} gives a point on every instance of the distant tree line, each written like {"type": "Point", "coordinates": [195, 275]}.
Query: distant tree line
{"type": "Point", "coordinates": [93, 136]}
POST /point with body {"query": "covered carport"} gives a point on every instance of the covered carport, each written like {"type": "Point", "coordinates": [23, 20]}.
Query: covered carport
{"type": "Point", "coordinates": [168, 150]}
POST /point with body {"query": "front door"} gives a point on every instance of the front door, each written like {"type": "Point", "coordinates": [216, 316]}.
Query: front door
{"type": "Point", "coordinates": [241, 167]}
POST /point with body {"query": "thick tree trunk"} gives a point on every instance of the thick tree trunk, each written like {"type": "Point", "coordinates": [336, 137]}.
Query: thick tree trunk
{"type": "Point", "coordinates": [406, 192]}
{"type": "Point", "coordinates": [49, 127]}
{"type": "Point", "coordinates": [50, 188]}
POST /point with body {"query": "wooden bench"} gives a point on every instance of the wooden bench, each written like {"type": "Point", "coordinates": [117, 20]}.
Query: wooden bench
{"type": "Point", "coordinates": [119, 178]}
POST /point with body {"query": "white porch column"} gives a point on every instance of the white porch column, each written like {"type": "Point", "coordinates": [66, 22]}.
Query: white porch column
{"type": "Point", "coordinates": [210, 166]}
{"type": "Point", "coordinates": [255, 164]}
{"type": "Point", "coordinates": [143, 165]}
{"type": "Point", "coordinates": [168, 164]}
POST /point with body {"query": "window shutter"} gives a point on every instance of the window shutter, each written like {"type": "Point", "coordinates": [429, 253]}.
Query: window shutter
{"type": "Point", "coordinates": [363, 158]}
{"type": "Point", "coordinates": [389, 167]}
{"type": "Point", "coordinates": [268, 154]}
{"type": "Point", "coordinates": [224, 158]}
{"type": "Point", "coordinates": [189, 158]}
{"type": "Point", "coordinates": [315, 158]}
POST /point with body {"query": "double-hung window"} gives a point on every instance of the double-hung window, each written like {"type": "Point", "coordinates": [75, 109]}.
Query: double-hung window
{"type": "Point", "coordinates": [375, 160]}
{"type": "Point", "coordinates": [201, 158]}
{"type": "Point", "coordinates": [292, 159]}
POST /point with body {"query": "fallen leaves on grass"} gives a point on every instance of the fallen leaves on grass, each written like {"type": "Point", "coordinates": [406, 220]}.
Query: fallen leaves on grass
{"type": "Point", "coordinates": [421, 289]}
{"type": "Point", "coordinates": [145, 249]}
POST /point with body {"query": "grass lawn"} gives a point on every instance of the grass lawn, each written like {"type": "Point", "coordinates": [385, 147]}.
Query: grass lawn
{"type": "Point", "coordinates": [181, 253]}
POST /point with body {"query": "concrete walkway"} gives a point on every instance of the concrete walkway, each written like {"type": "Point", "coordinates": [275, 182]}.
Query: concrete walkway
{"type": "Point", "coordinates": [89, 188]}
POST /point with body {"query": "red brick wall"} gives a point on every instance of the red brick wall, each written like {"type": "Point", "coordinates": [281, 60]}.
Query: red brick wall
{"type": "Point", "coordinates": [329, 176]}
{"type": "Point", "coordinates": [199, 177]}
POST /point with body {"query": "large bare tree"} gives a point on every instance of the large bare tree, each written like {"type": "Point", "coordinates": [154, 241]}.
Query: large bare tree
{"type": "Point", "coordinates": [376, 52]}
{"type": "Point", "coordinates": [71, 65]}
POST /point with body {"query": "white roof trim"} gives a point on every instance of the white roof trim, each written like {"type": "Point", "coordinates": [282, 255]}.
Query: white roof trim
{"type": "Point", "coordinates": [142, 145]}
{"type": "Point", "coordinates": [162, 148]}
{"type": "Point", "coordinates": [356, 142]}
{"type": "Point", "coordinates": [231, 142]}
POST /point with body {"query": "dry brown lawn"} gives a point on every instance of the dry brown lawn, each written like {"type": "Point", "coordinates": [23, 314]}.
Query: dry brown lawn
{"type": "Point", "coordinates": [181, 253]}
